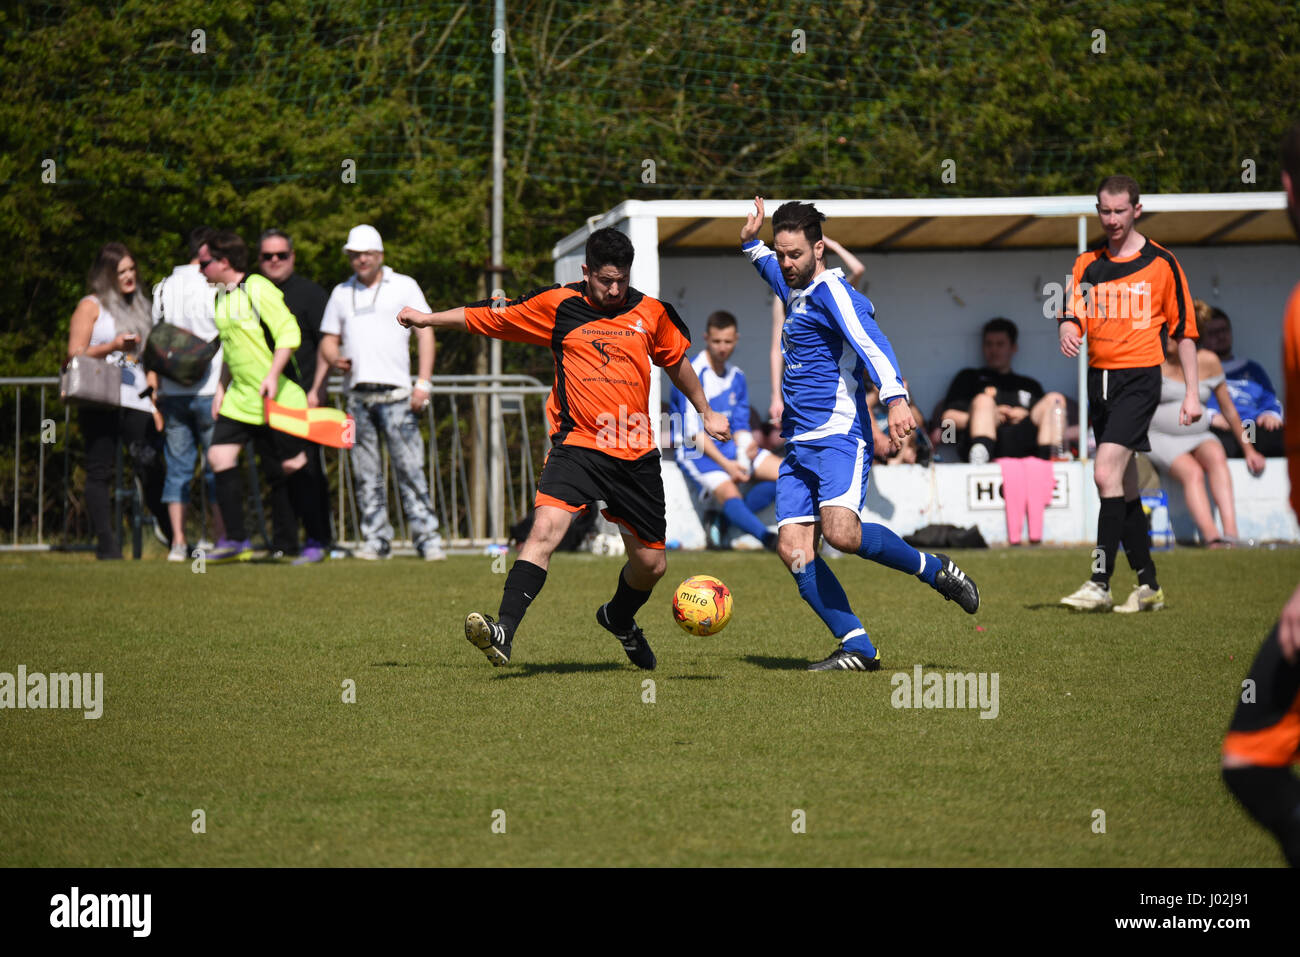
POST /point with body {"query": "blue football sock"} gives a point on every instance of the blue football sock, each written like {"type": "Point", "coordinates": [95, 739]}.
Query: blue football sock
{"type": "Point", "coordinates": [861, 644]}
{"type": "Point", "coordinates": [819, 587]}
{"type": "Point", "coordinates": [736, 513]}
{"type": "Point", "coordinates": [879, 544]}
{"type": "Point", "coordinates": [760, 496]}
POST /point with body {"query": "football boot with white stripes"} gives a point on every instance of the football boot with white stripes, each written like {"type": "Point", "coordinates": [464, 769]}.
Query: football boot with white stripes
{"type": "Point", "coordinates": [954, 585]}
{"type": "Point", "coordinates": [488, 637]}
{"type": "Point", "coordinates": [842, 659]}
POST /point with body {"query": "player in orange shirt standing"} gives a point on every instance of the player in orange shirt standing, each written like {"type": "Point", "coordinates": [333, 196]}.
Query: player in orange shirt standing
{"type": "Point", "coordinates": [605, 336]}
{"type": "Point", "coordinates": [1125, 294]}
{"type": "Point", "coordinates": [1264, 737]}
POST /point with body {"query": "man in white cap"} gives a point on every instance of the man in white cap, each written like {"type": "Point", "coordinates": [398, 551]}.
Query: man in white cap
{"type": "Point", "coordinates": [376, 363]}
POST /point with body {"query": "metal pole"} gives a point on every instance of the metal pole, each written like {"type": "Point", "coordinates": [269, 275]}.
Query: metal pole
{"type": "Point", "coordinates": [18, 432]}
{"type": "Point", "coordinates": [40, 478]}
{"type": "Point", "coordinates": [496, 524]}
{"type": "Point", "coordinates": [1083, 358]}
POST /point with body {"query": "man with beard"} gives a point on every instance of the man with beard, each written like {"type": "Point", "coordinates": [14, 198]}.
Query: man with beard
{"type": "Point", "coordinates": [830, 341]}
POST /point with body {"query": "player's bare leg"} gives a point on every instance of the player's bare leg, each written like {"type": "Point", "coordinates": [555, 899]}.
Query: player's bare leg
{"type": "Point", "coordinates": [523, 583]}
{"type": "Point", "coordinates": [637, 579]}
{"type": "Point", "coordinates": [983, 428]}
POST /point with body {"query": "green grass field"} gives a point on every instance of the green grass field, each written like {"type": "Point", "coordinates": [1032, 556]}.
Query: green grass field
{"type": "Point", "coordinates": [223, 692]}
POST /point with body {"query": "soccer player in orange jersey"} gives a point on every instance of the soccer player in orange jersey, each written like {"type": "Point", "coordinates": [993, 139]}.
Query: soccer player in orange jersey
{"type": "Point", "coordinates": [1264, 738]}
{"type": "Point", "coordinates": [1125, 296]}
{"type": "Point", "coordinates": [605, 336]}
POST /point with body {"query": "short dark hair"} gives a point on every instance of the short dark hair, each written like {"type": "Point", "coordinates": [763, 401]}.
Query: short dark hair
{"type": "Point", "coordinates": [798, 217]}
{"type": "Point", "coordinates": [227, 245]}
{"type": "Point", "coordinates": [274, 234]}
{"type": "Point", "coordinates": [1291, 154]}
{"type": "Point", "coordinates": [1217, 313]}
{"type": "Point", "coordinates": [199, 236]}
{"type": "Point", "coordinates": [1001, 324]}
{"type": "Point", "coordinates": [1120, 184]}
{"type": "Point", "coordinates": [609, 247]}
{"type": "Point", "coordinates": [720, 320]}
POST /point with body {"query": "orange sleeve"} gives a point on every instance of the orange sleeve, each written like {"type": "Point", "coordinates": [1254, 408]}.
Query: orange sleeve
{"type": "Point", "coordinates": [1291, 374]}
{"type": "Point", "coordinates": [671, 338]}
{"type": "Point", "coordinates": [1076, 307]}
{"type": "Point", "coordinates": [530, 318]}
{"type": "Point", "coordinates": [1181, 320]}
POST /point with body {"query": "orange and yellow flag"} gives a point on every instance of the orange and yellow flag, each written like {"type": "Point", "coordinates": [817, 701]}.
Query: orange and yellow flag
{"type": "Point", "coordinates": [324, 426]}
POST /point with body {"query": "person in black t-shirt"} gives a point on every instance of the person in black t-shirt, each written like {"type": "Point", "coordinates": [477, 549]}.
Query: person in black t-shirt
{"type": "Point", "coordinates": [306, 300]}
{"type": "Point", "coordinates": [993, 412]}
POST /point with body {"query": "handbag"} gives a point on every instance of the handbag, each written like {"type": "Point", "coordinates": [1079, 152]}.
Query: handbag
{"type": "Point", "coordinates": [179, 354]}
{"type": "Point", "coordinates": [91, 381]}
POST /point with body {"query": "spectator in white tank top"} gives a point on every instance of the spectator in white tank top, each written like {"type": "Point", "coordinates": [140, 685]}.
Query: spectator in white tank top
{"type": "Point", "coordinates": [112, 322]}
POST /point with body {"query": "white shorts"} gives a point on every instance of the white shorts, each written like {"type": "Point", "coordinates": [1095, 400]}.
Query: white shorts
{"type": "Point", "coordinates": [707, 481]}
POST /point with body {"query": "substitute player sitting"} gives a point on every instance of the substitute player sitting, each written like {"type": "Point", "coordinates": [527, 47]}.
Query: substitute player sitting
{"type": "Point", "coordinates": [605, 336]}
{"type": "Point", "coordinates": [717, 469]}
{"type": "Point", "coordinates": [831, 343]}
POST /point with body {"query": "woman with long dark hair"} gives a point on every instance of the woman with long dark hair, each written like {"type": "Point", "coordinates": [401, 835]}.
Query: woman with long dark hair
{"type": "Point", "coordinates": [111, 322]}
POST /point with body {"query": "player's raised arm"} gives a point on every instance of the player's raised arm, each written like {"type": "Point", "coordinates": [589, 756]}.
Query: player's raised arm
{"type": "Point", "coordinates": [851, 262]}
{"type": "Point", "coordinates": [753, 222]}
{"type": "Point", "coordinates": [759, 254]}
{"type": "Point", "coordinates": [683, 376]}
{"type": "Point", "coordinates": [410, 317]}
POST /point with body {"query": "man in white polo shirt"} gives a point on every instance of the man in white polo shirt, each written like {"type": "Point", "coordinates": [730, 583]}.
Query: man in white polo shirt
{"type": "Point", "coordinates": [376, 363]}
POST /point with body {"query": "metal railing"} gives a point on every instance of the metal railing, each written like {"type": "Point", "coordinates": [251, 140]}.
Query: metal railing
{"type": "Point", "coordinates": [453, 422]}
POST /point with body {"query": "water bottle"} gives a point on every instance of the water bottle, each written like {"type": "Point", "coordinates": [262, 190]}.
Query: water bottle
{"type": "Point", "coordinates": [1059, 451]}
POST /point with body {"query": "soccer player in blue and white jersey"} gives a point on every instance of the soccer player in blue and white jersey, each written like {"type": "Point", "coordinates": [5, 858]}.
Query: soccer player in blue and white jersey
{"type": "Point", "coordinates": [717, 468]}
{"type": "Point", "coordinates": [830, 342]}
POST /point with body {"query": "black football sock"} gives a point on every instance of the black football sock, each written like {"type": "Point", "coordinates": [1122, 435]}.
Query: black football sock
{"type": "Point", "coordinates": [523, 583]}
{"type": "Point", "coordinates": [1044, 452]}
{"type": "Point", "coordinates": [304, 490]}
{"type": "Point", "coordinates": [1137, 542]}
{"type": "Point", "coordinates": [1110, 526]}
{"type": "Point", "coordinates": [1272, 796]}
{"type": "Point", "coordinates": [627, 601]}
{"type": "Point", "coordinates": [230, 496]}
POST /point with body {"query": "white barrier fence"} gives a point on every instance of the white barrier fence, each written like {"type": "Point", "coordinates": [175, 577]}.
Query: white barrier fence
{"type": "Point", "coordinates": [42, 468]}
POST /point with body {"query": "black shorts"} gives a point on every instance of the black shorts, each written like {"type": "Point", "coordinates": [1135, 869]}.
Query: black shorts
{"type": "Point", "coordinates": [1121, 403]}
{"type": "Point", "coordinates": [633, 491]}
{"type": "Point", "coordinates": [1265, 728]}
{"type": "Point", "coordinates": [281, 445]}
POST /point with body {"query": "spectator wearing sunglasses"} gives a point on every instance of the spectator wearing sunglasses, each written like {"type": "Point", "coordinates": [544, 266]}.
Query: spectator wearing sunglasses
{"type": "Point", "coordinates": [306, 300]}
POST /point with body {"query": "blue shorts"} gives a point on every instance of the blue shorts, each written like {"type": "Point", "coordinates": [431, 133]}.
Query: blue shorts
{"type": "Point", "coordinates": [814, 476]}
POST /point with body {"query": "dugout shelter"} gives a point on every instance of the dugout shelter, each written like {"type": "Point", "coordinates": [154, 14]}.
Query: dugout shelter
{"type": "Point", "coordinates": [936, 270]}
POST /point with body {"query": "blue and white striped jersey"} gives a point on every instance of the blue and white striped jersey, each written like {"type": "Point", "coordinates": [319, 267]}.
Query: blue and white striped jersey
{"type": "Point", "coordinates": [829, 340]}
{"type": "Point", "coordinates": [727, 393]}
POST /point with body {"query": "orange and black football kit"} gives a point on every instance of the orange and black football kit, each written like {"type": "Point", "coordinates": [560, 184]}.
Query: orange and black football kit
{"type": "Point", "coordinates": [1265, 729]}
{"type": "Point", "coordinates": [599, 408]}
{"type": "Point", "coordinates": [1124, 305]}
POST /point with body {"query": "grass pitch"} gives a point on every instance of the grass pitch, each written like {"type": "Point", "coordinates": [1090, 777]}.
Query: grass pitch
{"type": "Point", "coordinates": [223, 693]}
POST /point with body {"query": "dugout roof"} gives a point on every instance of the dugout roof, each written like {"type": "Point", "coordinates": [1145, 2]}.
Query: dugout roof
{"type": "Point", "coordinates": [1022, 222]}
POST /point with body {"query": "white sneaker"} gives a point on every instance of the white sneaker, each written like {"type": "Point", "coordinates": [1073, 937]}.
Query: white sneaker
{"type": "Point", "coordinates": [1143, 598]}
{"type": "Point", "coordinates": [433, 552]}
{"type": "Point", "coordinates": [371, 554]}
{"type": "Point", "coordinates": [179, 553]}
{"type": "Point", "coordinates": [1090, 597]}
